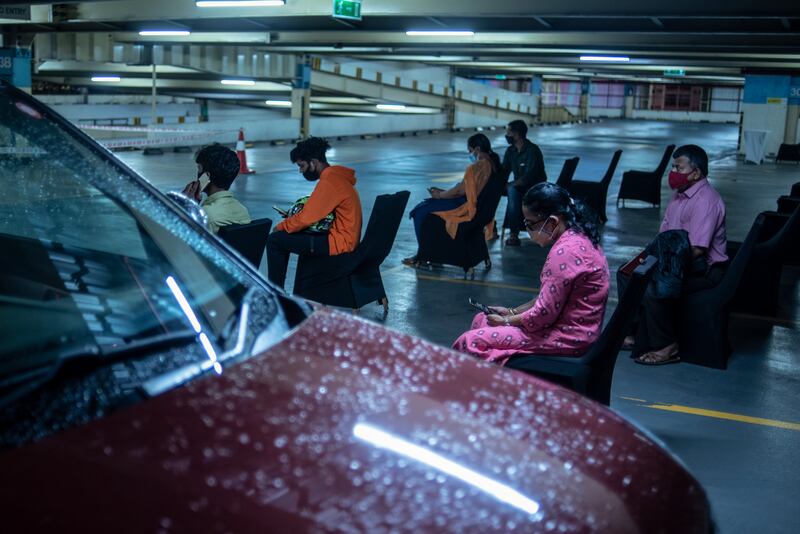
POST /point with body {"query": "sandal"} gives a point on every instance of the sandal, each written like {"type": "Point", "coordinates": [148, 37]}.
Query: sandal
{"type": "Point", "coordinates": [670, 357]}
{"type": "Point", "coordinates": [513, 241]}
{"type": "Point", "coordinates": [411, 261]}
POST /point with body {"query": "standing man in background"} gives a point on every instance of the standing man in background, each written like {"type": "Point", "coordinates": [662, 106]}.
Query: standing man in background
{"type": "Point", "coordinates": [524, 160]}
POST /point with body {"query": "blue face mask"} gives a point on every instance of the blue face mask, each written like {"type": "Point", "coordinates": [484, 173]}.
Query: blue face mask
{"type": "Point", "coordinates": [472, 157]}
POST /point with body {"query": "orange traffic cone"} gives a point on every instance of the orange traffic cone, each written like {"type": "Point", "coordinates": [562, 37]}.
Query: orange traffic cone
{"type": "Point", "coordinates": [242, 155]}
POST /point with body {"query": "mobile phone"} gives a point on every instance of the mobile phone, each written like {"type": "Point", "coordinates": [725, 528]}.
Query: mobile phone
{"type": "Point", "coordinates": [283, 213]}
{"type": "Point", "coordinates": [203, 180]}
{"type": "Point", "coordinates": [482, 307]}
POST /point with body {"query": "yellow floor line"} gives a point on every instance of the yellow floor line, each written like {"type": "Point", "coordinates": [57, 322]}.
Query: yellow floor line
{"type": "Point", "coordinates": [724, 415]}
{"type": "Point", "coordinates": [632, 399]}
{"type": "Point", "coordinates": [475, 282]}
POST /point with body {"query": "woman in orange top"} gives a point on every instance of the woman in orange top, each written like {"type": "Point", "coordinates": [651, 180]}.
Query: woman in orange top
{"type": "Point", "coordinates": [459, 203]}
{"type": "Point", "coordinates": [335, 193]}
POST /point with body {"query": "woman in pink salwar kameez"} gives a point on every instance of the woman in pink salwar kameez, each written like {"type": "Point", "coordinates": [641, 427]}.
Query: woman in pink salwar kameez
{"type": "Point", "coordinates": [567, 315]}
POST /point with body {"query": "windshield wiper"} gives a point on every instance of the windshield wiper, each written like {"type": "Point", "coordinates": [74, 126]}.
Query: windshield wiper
{"type": "Point", "coordinates": [21, 384]}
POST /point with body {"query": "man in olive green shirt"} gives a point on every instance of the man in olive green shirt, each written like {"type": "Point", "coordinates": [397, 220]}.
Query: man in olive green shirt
{"type": "Point", "coordinates": [222, 166]}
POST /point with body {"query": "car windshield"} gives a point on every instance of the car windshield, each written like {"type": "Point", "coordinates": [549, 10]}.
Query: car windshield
{"type": "Point", "coordinates": [91, 257]}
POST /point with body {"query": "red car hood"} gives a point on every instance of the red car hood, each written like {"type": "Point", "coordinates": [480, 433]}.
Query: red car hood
{"type": "Point", "coordinates": [348, 426]}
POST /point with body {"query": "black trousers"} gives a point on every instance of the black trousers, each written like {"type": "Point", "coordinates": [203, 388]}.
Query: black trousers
{"type": "Point", "coordinates": [656, 328]}
{"type": "Point", "coordinates": [280, 245]}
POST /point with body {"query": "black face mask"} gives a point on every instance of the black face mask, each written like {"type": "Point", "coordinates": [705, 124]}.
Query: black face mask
{"type": "Point", "coordinates": [311, 175]}
{"type": "Point", "coordinates": [510, 139]}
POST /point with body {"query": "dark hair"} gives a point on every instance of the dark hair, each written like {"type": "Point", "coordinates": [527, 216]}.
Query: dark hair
{"type": "Point", "coordinates": [221, 164]}
{"type": "Point", "coordinates": [481, 141]}
{"type": "Point", "coordinates": [518, 126]}
{"type": "Point", "coordinates": [311, 148]}
{"type": "Point", "coordinates": [696, 156]}
{"type": "Point", "coordinates": [551, 199]}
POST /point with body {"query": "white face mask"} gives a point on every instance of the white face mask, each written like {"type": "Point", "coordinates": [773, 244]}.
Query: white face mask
{"type": "Point", "coordinates": [472, 157]}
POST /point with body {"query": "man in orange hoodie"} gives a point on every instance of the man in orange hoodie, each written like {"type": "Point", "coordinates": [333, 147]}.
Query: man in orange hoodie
{"type": "Point", "coordinates": [334, 193]}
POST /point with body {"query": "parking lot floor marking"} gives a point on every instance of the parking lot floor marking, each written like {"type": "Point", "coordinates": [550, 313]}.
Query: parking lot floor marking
{"type": "Point", "coordinates": [714, 414]}
{"type": "Point", "coordinates": [483, 283]}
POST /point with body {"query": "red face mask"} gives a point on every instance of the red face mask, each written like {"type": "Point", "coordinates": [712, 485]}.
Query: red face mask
{"type": "Point", "coordinates": [678, 180]}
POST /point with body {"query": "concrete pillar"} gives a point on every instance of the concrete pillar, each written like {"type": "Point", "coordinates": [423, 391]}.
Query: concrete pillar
{"type": "Point", "coordinates": [586, 88]}
{"type": "Point", "coordinates": [627, 111]}
{"type": "Point", "coordinates": [450, 105]}
{"type": "Point", "coordinates": [791, 134]}
{"type": "Point", "coordinates": [536, 91]}
{"type": "Point", "coordinates": [301, 96]}
{"type": "Point", "coordinates": [15, 62]}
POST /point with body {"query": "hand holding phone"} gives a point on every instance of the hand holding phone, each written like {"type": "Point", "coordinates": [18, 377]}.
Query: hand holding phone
{"type": "Point", "coordinates": [283, 213]}
{"type": "Point", "coordinates": [482, 307]}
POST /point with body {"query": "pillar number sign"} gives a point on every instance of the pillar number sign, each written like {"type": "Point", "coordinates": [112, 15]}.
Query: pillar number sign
{"type": "Point", "coordinates": [6, 62]}
{"type": "Point", "coordinates": [347, 9]}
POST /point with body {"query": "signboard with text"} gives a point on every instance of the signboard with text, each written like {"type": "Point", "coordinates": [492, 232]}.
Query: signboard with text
{"type": "Point", "coordinates": [15, 12]}
{"type": "Point", "coordinates": [347, 9]}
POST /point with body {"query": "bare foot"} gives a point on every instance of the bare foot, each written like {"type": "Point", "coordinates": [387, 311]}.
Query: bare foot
{"type": "Point", "coordinates": [628, 343]}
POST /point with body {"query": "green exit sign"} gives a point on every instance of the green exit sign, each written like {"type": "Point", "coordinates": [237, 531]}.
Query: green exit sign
{"type": "Point", "coordinates": [347, 9]}
{"type": "Point", "coordinates": [674, 72]}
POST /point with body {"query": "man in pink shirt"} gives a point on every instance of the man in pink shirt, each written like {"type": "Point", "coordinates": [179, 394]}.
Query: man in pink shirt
{"type": "Point", "coordinates": [697, 208]}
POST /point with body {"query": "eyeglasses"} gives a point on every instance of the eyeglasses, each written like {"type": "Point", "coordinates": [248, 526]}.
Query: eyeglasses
{"type": "Point", "coordinates": [530, 225]}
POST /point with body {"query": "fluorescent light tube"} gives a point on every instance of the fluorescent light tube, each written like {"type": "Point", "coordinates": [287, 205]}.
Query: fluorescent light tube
{"type": "Point", "coordinates": [440, 33]}
{"type": "Point", "coordinates": [617, 59]}
{"type": "Point", "coordinates": [391, 107]}
{"type": "Point", "coordinates": [239, 3]}
{"type": "Point", "coordinates": [106, 78]}
{"type": "Point", "coordinates": [237, 82]}
{"type": "Point", "coordinates": [279, 103]}
{"type": "Point", "coordinates": [174, 33]}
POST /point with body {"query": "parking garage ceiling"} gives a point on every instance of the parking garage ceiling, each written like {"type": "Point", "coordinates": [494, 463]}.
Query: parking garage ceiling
{"type": "Point", "coordinates": [512, 38]}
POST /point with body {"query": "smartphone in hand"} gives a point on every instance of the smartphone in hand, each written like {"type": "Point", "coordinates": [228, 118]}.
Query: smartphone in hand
{"type": "Point", "coordinates": [283, 213]}
{"type": "Point", "coordinates": [482, 307]}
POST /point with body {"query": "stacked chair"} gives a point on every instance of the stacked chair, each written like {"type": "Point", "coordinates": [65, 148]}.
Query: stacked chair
{"type": "Point", "coordinates": [644, 185]}
{"type": "Point", "coordinates": [354, 279]}
{"type": "Point", "coordinates": [469, 247]}
{"type": "Point", "coordinates": [591, 374]}
{"type": "Point", "coordinates": [595, 193]}
{"type": "Point", "coordinates": [249, 240]}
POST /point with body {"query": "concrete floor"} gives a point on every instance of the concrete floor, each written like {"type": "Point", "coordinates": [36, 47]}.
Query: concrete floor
{"type": "Point", "coordinates": [738, 444]}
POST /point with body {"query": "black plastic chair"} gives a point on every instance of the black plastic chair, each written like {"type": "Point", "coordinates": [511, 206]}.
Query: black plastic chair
{"type": "Point", "coordinates": [787, 204]}
{"type": "Point", "coordinates": [249, 240]}
{"type": "Point", "coordinates": [469, 247]}
{"type": "Point", "coordinates": [759, 290]}
{"type": "Point", "coordinates": [795, 190]}
{"type": "Point", "coordinates": [567, 172]}
{"type": "Point", "coordinates": [703, 316]}
{"type": "Point", "coordinates": [591, 374]}
{"type": "Point", "coordinates": [353, 279]}
{"type": "Point", "coordinates": [595, 193]}
{"type": "Point", "coordinates": [644, 185]}
{"type": "Point", "coordinates": [787, 152]}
